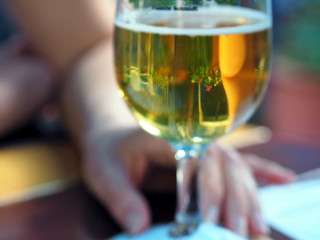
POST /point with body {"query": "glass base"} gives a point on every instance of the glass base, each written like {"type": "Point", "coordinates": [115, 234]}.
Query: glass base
{"type": "Point", "coordinates": [205, 231]}
{"type": "Point", "coordinates": [179, 229]}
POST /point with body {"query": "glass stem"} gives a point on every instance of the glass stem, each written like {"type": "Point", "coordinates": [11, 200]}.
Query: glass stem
{"type": "Point", "coordinates": [188, 215]}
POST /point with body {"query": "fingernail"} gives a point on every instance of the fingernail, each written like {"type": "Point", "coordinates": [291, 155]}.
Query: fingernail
{"type": "Point", "coordinates": [261, 225]}
{"type": "Point", "coordinates": [133, 223]}
{"type": "Point", "coordinates": [212, 215]}
{"type": "Point", "coordinates": [241, 226]}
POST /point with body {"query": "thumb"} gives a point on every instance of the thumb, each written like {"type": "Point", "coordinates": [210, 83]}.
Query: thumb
{"type": "Point", "coordinates": [111, 184]}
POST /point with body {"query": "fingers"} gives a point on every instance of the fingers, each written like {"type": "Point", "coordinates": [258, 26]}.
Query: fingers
{"type": "Point", "coordinates": [257, 225]}
{"type": "Point", "coordinates": [235, 215]}
{"type": "Point", "coordinates": [211, 186]}
{"type": "Point", "coordinates": [227, 184]}
{"type": "Point", "coordinates": [155, 170]}
{"type": "Point", "coordinates": [111, 183]}
{"type": "Point", "coordinates": [158, 150]}
{"type": "Point", "coordinates": [115, 168]}
{"type": "Point", "coordinates": [269, 171]}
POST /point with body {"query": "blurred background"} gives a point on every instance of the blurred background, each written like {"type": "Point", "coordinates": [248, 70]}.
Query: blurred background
{"type": "Point", "coordinates": [290, 109]}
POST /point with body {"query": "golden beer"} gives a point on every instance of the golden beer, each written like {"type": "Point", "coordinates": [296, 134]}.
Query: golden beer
{"type": "Point", "coordinates": [189, 78]}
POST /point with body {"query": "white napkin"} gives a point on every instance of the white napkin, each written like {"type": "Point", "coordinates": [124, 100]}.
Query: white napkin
{"type": "Point", "coordinates": [293, 209]}
{"type": "Point", "coordinates": [204, 232]}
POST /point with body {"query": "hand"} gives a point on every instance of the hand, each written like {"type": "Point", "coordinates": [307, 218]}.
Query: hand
{"type": "Point", "coordinates": [115, 165]}
{"type": "Point", "coordinates": [25, 84]}
{"type": "Point", "coordinates": [117, 162]}
{"type": "Point", "coordinates": [229, 192]}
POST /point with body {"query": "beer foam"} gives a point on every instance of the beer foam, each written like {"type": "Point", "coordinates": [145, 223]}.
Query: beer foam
{"type": "Point", "coordinates": [145, 20]}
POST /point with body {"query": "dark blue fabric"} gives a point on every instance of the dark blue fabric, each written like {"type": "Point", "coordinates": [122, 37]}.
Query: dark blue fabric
{"type": "Point", "coordinates": [7, 28]}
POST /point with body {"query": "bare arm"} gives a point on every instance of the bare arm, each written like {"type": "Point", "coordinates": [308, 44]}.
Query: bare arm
{"type": "Point", "coordinates": [76, 38]}
{"type": "Point", "coordinates": [62, 30]}
{"type": "Point", "coordinates": [90, 99]}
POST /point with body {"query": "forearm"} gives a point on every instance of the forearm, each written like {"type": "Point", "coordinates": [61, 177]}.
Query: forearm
{"type": "Point", "coordinates": [60, 30]}
{"type": "Point", "coordinates": [90, 101]}
{"type": "Point", "coordinates": [75, 37]}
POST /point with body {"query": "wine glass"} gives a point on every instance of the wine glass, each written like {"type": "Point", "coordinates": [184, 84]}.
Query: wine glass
{"type": "Point", "coordinates": [192, 71]}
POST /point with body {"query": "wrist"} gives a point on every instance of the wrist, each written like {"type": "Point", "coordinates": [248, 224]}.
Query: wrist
{"type": "Point", "coordinates": [89, 97]}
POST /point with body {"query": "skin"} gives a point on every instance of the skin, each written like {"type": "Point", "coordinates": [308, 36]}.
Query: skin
{"type": "Point", "coordinates": [19, 74]}
{"type": "Point", "coordinates": [117, 154]}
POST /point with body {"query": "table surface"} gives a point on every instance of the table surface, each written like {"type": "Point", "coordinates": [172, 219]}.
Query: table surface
{"type": "Point", "coordinates": [72, 213]}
